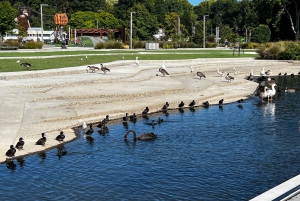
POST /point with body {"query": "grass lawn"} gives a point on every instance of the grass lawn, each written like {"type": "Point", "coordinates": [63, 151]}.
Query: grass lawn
{"type": "Point", "coordinates": [41, 60]}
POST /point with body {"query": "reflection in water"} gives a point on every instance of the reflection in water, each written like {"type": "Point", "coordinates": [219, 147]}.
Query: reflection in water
{"type": "Point", "coordinates": [61, 151]}
{"type": "Point", "coordinates": [43, 156]}
{"type": "Point", "coordinates": [89, 139]}
{"type": "Point", "coordinates": [269, 111]}
{"type": "Point", "coordinates": [21, 161]}
{"type": "Point", "coordinates": [10, 164]}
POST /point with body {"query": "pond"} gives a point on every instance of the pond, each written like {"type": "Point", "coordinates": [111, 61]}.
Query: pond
{"type": "Point", "coordinates": [233, 153]}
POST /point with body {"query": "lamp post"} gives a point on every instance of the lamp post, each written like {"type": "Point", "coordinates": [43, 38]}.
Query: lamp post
{"type": "Point", "coordinates": [131, 29]}
{"type": "Point", "coordinates": [42, 20]}
{"type": "Point", "coordinates": [204, 16]}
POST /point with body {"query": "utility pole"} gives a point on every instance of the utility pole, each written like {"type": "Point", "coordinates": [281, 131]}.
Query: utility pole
{"type": "Point", "coordinates": [131, 29]}
{"type": "Point", "coordinates": [42, 20]}
{"type": "Point", "coordinates": [204, 16]}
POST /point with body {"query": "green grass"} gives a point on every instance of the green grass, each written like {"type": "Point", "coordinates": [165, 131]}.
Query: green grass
{"type": "Point", "coordinates": [73, 58]}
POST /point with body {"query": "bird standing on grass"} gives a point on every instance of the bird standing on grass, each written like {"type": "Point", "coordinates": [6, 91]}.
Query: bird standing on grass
{"type": "Point", "coordinates": [25, 64]}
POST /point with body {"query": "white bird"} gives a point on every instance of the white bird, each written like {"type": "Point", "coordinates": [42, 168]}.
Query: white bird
{"type": "Point", "coordinates": [86, 57]}
{"type": "Point", "coordinates": [122, 57]}
{"type": "Point", "coordinates": [271, 92]}
{"type": "Point", "coordinates": [235, 71]}
{"type": "Point", "coordinates": [163, 71]}
{"type": "Point", "coordinates": [163, 66]}
{"type": "Point", "coordinates": [263, 73]}
{"type": "Point", "coordinates": [262, 94]}
{"type": "Point", "coordinates": [84, 126]}
{"type": "Point", "coordinates": [137, 61]}
{"type": "Point", "coordinates": [81, 59]}
{"type": "Point", "coordinates": [252, 72]}
{"type": "Point", "coordinates": [221, 73]}
{"type": "Point", "coordinates": [192, 69]}
{"type": "Point", "coordinates": [18, 61]}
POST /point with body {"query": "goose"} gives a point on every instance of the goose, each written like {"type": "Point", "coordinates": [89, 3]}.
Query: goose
{"type": "Point", "coordinates": [11, 152]}
{"type": "Point", "coordinates": [84, 126]}
{"type": "Point", "coordinates": [42, 140]}
{"type": "Point", "coordinates": [126, 117]}
{"type": "Point", "coordinates": [289, 90]}
{"type": "Point", "coordinates": [60, 137]}
{"type": "Point", "coordinates": [90, 131]}
{"type": "Point", "coordinates": [25, 64]}
{"type": "Point", "coordinates": [163, 66]}
{"type": "Point", "coordinates": [263, 73]}
{"type": "Point", "coordinates": [137, 61]}
{"type": "Point", "coordinates": [20, 143]}
{"type": "Point", "coordinates": [205, 104]}
{"type": "Point", "coordinates": [262, 94]}
{"type": "Point", "coordinates": [229, 78]}
{"type": "Point", "coordinates": [145, 111]}
{"type": "Point", "coordinates": [104, 69]}
{"type": "Point", "coordinates": [221, 73]}
{"type": "Point", "coordinates": [271, 92]}
{"type": "Point", "coordinates": [163, 71]}
{"type": "Point", "coordinates": [143, 136]}
{"type": "Point", "coordinates": [92, 69]}
{"type": "Point", "coordinates": [192, 104]}
{"type": "Point", "coordinates": [192, 69]}
{"type": "Point", "coordinates": [221, 102]}
{"type": "Point", "coordinates": [181, 104]}
{"type": "Point", "coordinates": [165, 107]}
{"type": "Point", "coordinates": [200, 74]}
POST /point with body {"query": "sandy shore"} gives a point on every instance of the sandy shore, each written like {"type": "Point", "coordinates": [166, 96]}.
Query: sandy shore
{"type": "Point", "coordinates": [49, 101]}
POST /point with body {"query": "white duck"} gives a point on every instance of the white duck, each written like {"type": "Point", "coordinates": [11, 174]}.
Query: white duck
{"type": "Point", "coordinates": [221, 73]}
{"type": "Point", "coordinates": [137, 61]}
{"type": "Point", "coordinates": [271, 92]}
{"type": "Point", "coordinates": [263, 73]}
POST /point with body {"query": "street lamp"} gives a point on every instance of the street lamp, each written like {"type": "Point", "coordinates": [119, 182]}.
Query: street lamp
{"type": "Point", "coordinates": [204, 30]}
{"type": "Point", "coordinates": [131, 29]}
{"type": "Point", "coordinates": [42, 19]}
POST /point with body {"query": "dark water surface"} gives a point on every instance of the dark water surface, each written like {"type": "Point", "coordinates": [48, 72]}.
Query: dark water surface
{"type": "Point", "coordinates": [209, 154]}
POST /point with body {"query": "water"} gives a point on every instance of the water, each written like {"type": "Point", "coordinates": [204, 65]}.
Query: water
{"type": "Point", "coordinates": [209, 154]}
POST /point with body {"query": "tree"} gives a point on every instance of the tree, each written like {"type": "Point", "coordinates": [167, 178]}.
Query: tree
{"type": "Point", "coordinates": [261, 34]}
{"type": "Point", "coordinates": [7, 16]}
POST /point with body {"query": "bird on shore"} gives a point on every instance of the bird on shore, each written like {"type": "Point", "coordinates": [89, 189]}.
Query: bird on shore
{"type": "Point", "coordinates": [181, 105]}
{"type": "Point", "coordinates": [263, 73]}
{"type": "Point", "coordinates": [235, 71]}
{"type": "Point", "coordinates": [133, 117]}
{"type": "Point", "coordinates": [20, 143]}
{"type": "Point", "coordinates": [11, 152]}
{"type": "Point", "coordinates": [104, 69]}
{"type": "Point", "coordinates": [221, 101]}
{"type": "Point", "coordinates": [26, 64]}
{"type": "Point", "coordinates": [92, 69]}
{"type": "Point", "coordinates": [165, 107]}
{"type": "Point", "coordinates": [191, 68]}
{"type": "Point", "coordinates": [163, 71]}
{"type": "Point", "coordinates": [137, 61]}
{"type": "Point", "coordinates": [42, 140]}
{"type": "Point", "coordinates": [60, 137]}
{"type": "Point", "coordinates": [145, 111]}
{"type": "Point", "coordinates": [126, 117]}
{"type": "Point", "coordinates": [229, 78]}
{"type": "Point", "coordinates": [90, 131]}
{"type": "Point", "coordinates": [205, 104]}
{"type": "Point", "coordinates": [192, 104]}
{"type": "Point", "coordinates": [221, 73]}
{"type": "Point", "coordinates": [200, 74]}
{"type": "Point", "coordinates": [84, 126]}
{"type": "Point", "coordinates": [268, 72]}
{"type": "Point", "coordinates": [163, 66]}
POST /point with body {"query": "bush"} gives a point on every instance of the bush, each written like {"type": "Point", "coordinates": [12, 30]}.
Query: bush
{"type": "Point", "coordinates": [291, 52]}
{"type": "Point", "coordinates": [109, 45]}
{"type": "Point", "coordinates": [261, 34]}
{"type": "Point", "coordinates": [100, 45]}
{"type": "Point", "coordinates": [210, 45]}
{"type": "Point", "coordinates": [250, 45]}
{"type": "Point", "coordinates": [138, 45]}
{"type": "Point", "coordinates": [32, 45]}
{"type": "Point", "coordinates": [11, 42]}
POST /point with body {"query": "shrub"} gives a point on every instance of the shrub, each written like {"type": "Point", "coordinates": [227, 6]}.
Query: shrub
{"type": "Point", "coordinates": [261, 34]}
{"type": "Point", "coordinates": [291, 52]}
{"type": "Point", "coordinates": [32, 45]}
{"type": "Point", "coordinates": [100, 45]}
{"type": "Point", "coordinates": [138, 45]}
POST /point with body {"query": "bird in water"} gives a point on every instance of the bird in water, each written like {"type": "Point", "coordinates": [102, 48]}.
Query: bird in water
{"type": "Point", "coordinates": [20, 143]}
{"type": "Point", "coordinates": [160, 120]}
{"type": "Point", "coordinates": [229, 78]}
{"type": "Point", "coordinates": [11, 152]}
{"type": "Point", "coordinates": [26, 64]}
{"type": "Point", "coordinates": [163, 71]}
{"type": "Point", "coordinates": [42, 140]}
{"type": "Point", "coordinates": [181, 105]}
{"type": "Point", "coordinates": [125, 122]}
{"type": "Point", "coordinates": [289, 90]}
{"type": "Point", "coordinates": [60, 137]}
{"type": "Point", "coordinates": [104, 69]}
{"type": "Point", "coordinates": [133, 117]}
{"type": "Point", "coordinates": [200, 74]}
{"type": "Point", "coordinates": [90, 131]}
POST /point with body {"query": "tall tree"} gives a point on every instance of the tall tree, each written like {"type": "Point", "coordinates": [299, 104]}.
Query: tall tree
{"type": "Point", "coordinates": [7, 16]}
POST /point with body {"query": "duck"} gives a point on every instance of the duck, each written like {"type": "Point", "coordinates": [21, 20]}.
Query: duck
{"type": "Point", "coordinates": [200, 74]}
{"type": "Point", "coordinates": [152, 123]}
{"type": "Point", "coordinates": [271, 92]}
{"type": "Point", "coordinates": [165, 107]}
{"type": "Point", "coordinates": [289, 90]}
{"type": "Point", "coordinates": [221, 101]}
{"type": "Point", "coordinates": [84, 126]}
{"type": "Point", "coordinates": [103, 123]}
{"type": "Point", "coordinates": [192, 104]}
{"type": "Point", "coordinates": [11, 152]}
{"type": "Point", "coordinates": [126, 118]}
{"type": "Point", "coordinates": [26, 64]}
{"type": "Point", "coordinates": [181, 105]}
{"type": "Point", "coordinates": [143, 136]}
{"type": "Point", "coordinates": [229, 78]}
{"type": "Point", "coordinates": [92, 69]}
{"type": "Point", "coordinates": [221, 73]}
{"type": "Point", "coordinates": [263, 73]}
{"type": "Point", "coordinates": [42, 140]}
{"type": "Point", "coordinates": [90, 131]}
{"type": "Point", "coordinates": [205, 104]}
{"type": "Point", "coordinates": [137, 61]}
{"type": "Point", "coordinates": [145, 111]}
{"type": "Point", "coordinates": [133, 117]}
{"type": "Point", "coordinates": [279, 74]}
{"type": "Point", "coordinates": [60, 137]}
{"type": "Point", "coordinates": [262, 94]}
{"type": "Point", "coordinates": [250, 77]}
{"type": "Point", "coordinates": [160, 120]}
{"type": "Point", "coordinates": [20, 143]}
{"type": "Point", "coordinates": [104, 69]}
{"type": "Point", "coordinates": [163, 71]}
